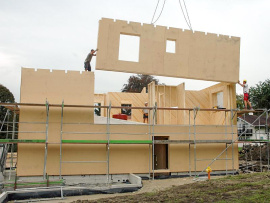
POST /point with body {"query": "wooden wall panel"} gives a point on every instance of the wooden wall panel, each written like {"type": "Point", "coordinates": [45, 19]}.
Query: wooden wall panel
{"type": "Point", "coordinates": [166, 96]}
{"type": "Point", "coordinates": [198, 99]}
{"type": "Point", "coordinates": [36, 86]}
{"type": "Point", "coordinates": [181, 104]}
{"type": "Point", "coordinates": [152, 99]}
{"type": "Point", "coordinates": [198, 55]}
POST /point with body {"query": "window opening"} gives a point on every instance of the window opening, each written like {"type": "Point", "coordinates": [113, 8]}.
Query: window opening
{"type": "Point", "coordinates": [220, 99]}
{"type": "Point", "coordinates": [126, 111]}
{"type": "Point", "coordinates": [129, 48]}
{"type": "Point", "coordinates": [170, 46]}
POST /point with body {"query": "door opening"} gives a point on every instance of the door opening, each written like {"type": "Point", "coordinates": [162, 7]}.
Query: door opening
{"type": "Point", "coordinates": [161, 154]}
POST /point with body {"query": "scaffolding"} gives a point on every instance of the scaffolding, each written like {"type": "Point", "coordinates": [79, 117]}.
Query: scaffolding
{"type": "Point", "coordinates": [228, 142]}
{"type": "Point", "coordinates": [248, 144]}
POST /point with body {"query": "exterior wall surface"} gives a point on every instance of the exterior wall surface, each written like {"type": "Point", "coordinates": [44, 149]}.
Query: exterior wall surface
{"type": "Point", "coordinates": [127, 158]}
{"type": "Point", "coordinates": [197, 55]}
{"type": "Point", "coordinates": [55, 86]}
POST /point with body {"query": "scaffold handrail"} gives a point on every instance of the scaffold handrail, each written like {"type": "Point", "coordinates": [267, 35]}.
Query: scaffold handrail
{"type": "Point", "coordinates": [3, 141]}
{"type": "Point", "coordinates": [126, 107]}
{"type": "Point", "coordinates": [22, 141]}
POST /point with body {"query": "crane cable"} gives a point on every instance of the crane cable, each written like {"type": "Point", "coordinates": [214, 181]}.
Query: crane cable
{"type": "Point", "coordinates": [154, 13]}
{"type": "Point", "coordinates": [187, 14]}
{"type": "Point", "coordinates": [187, 21]}
{"type": "Point", "coordinates": [160, 12]}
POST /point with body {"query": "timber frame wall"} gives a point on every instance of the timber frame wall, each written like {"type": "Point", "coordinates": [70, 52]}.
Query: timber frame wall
{"type": "Point", "coordinates": [69, 122]}
{"type": "Point", "coordinates": [171, 97]}
{"type": "Point", "coordinates": [177, 96]}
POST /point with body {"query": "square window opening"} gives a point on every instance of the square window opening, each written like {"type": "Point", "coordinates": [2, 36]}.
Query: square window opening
{"type": "Point", "coordinates": [170, 46]}
{"type": "Point", "coordinates": [129, 48]}
{"type": "Point", "coordinates": [126, 111]}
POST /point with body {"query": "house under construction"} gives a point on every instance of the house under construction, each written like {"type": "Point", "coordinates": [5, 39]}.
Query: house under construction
{"type": "Point", "coordinates": [59, 135]}
{"type": "Point", "coordinates": [72, 143]}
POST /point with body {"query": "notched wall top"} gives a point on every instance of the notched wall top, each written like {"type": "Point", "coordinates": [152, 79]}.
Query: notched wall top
{"type": "Point", "coordinates": [198, 55]}
{"type": "Point", "coordinates": [57, 85]}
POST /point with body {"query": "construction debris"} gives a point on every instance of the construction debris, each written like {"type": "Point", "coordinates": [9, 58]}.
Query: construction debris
{"type": "Point", "coordinates": [254, 158]}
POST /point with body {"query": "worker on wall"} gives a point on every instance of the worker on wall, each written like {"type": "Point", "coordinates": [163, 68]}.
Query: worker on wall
{"type": "Point", "coordinates": [246, 93]}
{"type": "Point", "coordinates": [88, 59]}
{"type": "Point", "coordinates": [145, 113]}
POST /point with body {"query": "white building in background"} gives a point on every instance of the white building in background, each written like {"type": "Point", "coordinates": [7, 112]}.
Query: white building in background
{"type": "Point", "coordinates": [250, 127]}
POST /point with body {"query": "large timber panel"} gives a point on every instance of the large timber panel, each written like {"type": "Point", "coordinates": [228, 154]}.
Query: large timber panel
{"type": "Point", "coordinates": [55, 86]}
{"type": "Point", "coordinates": [197, 55]}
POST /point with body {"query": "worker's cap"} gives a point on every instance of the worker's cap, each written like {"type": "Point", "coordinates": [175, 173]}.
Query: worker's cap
{"type": "Point", "coordinates": [244, 80]}
{"type": "Point", "coordinates": [145, 102]}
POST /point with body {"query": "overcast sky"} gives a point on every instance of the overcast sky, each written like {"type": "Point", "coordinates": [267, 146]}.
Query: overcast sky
{"type": "Point", "coordinates": [58, 34]}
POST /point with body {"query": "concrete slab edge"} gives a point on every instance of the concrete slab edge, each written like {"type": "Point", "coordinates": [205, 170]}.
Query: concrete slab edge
{"type": "Point", "coordinates": [68, 191]}
{"type": "Point", "coordinates": [134, 179]}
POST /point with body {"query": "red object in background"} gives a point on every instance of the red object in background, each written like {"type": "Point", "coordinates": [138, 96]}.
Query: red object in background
{"type": "Point", "coordinates": [120, 116]}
